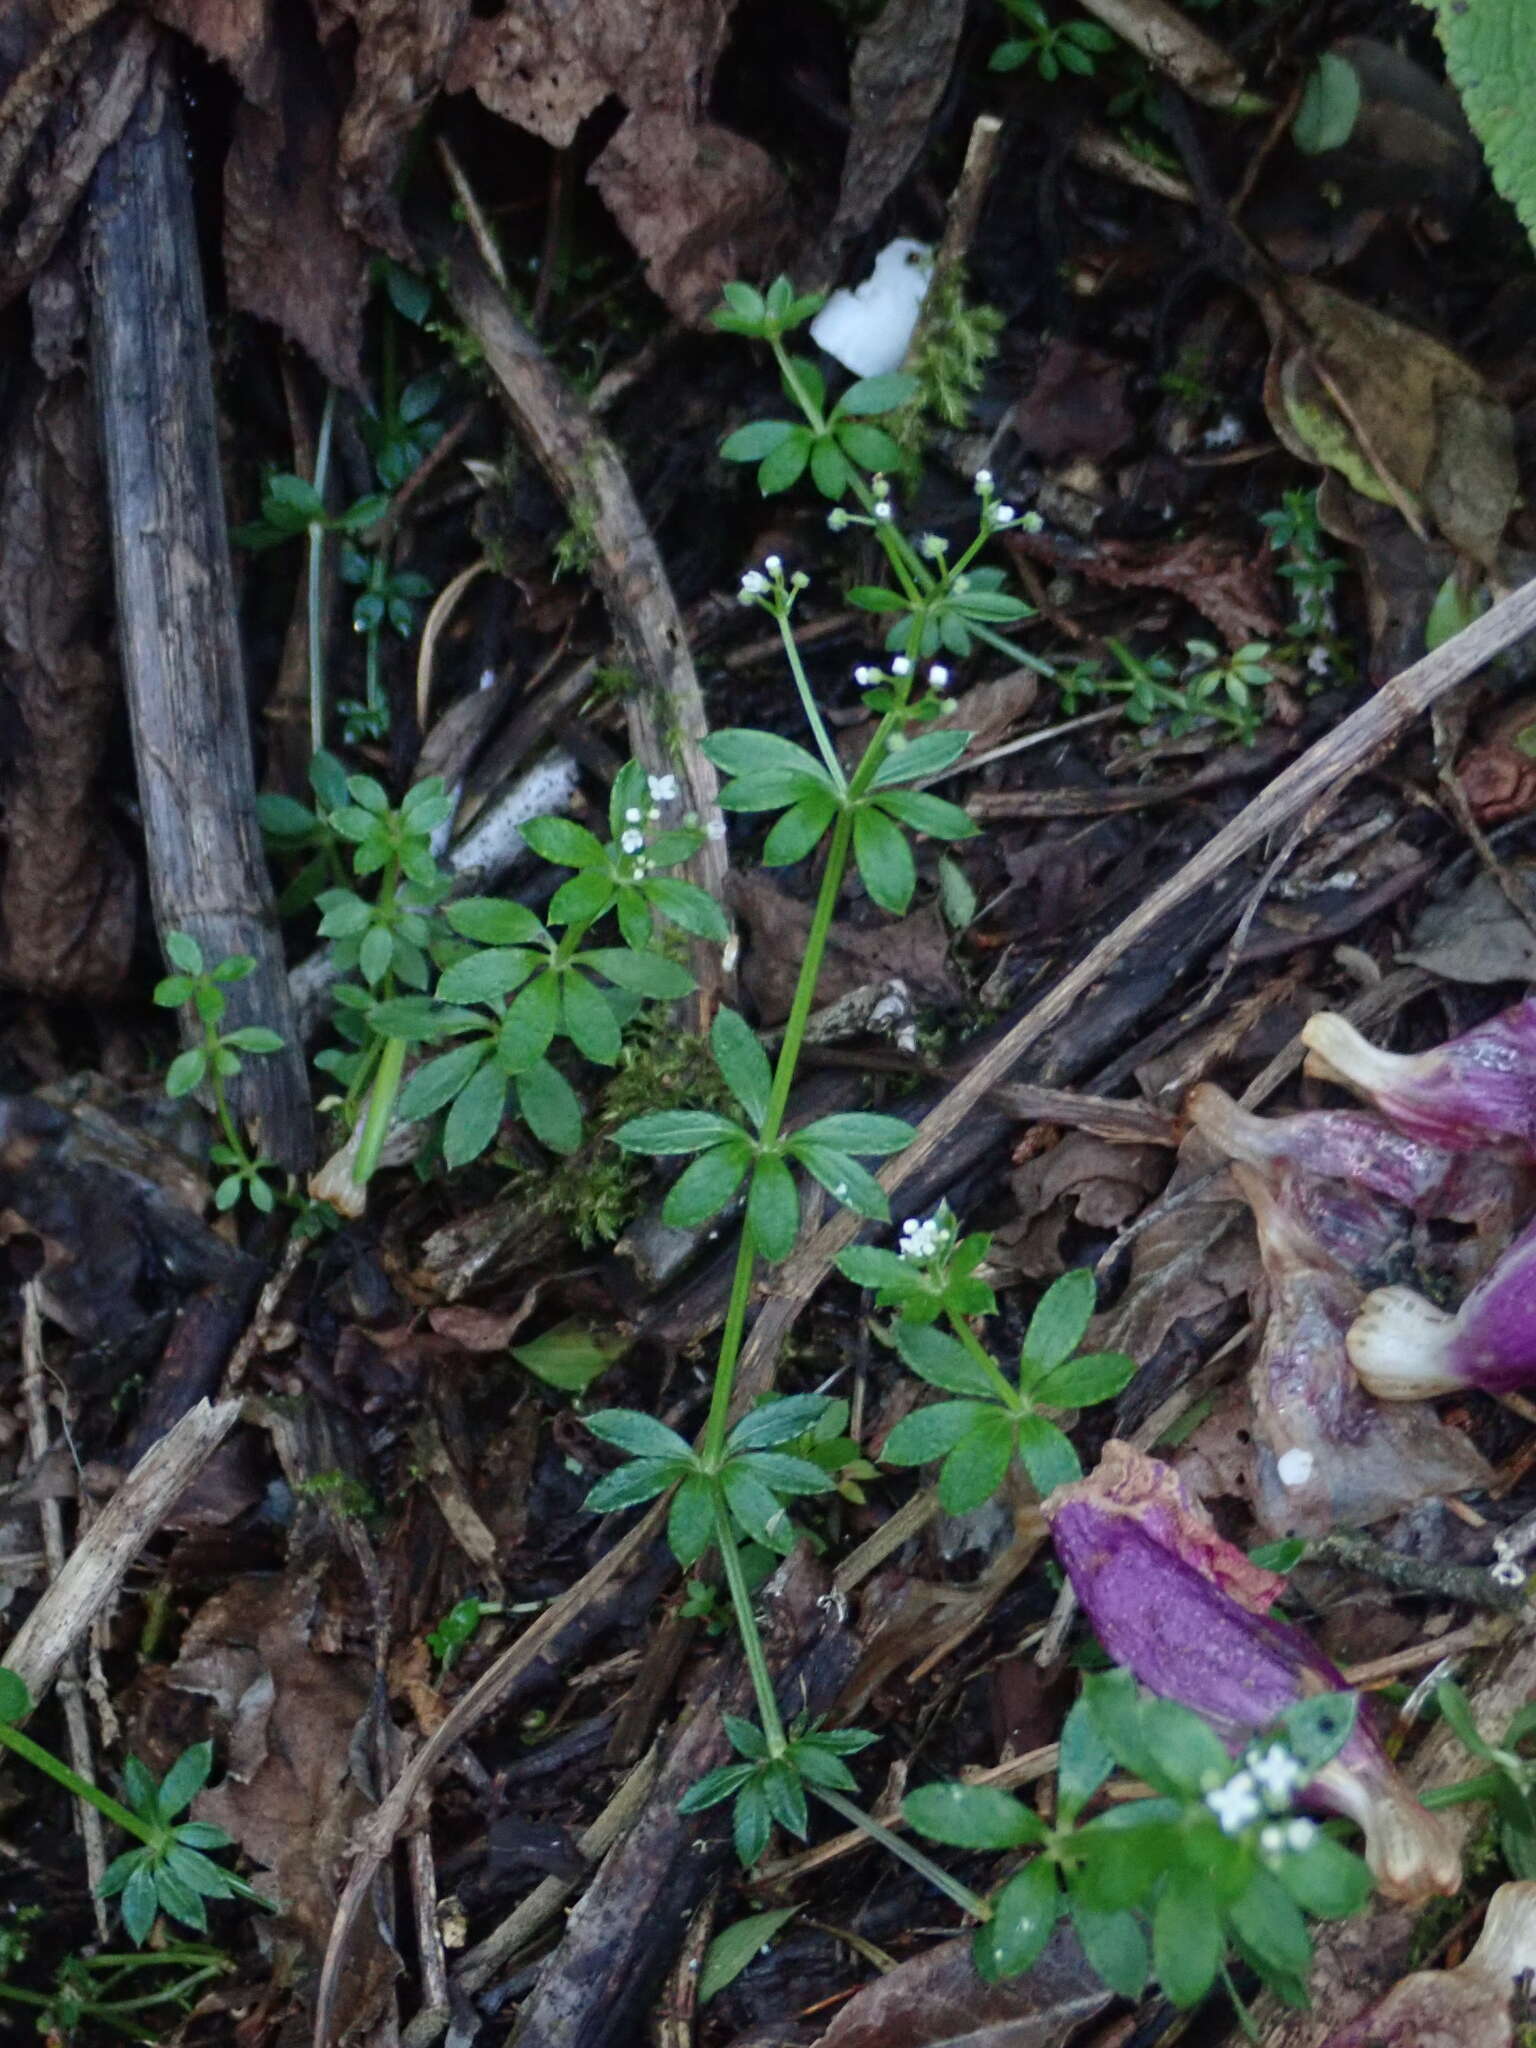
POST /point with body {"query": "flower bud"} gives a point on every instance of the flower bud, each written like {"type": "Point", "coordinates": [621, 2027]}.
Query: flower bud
{"type": "Point", "coordinates": [1188, 1615]}
{"type": "Point", "coordinates": [1479, 1089]}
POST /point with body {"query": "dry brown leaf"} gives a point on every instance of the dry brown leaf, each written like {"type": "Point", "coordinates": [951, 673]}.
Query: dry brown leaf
{"type": "Point", "coordinates": [900, 72]}
{"type": "Point", "coordinates": [1077, 404]}
{"type": "Point", "coordinates": [1083, 1179]}
{"type": "Point", "coordinates": [1233, 587]}
{"type": "Point", "coordinates": [936, 2000]}
{"type": "Point", "coordinates": [1419, 428]}
{"type": "Point", "coordinates": [915, 950]}
{"type": "Point", "coordinates": [1475, 933]}
{"type": "Point", "coordinates": [288, 1711]}
{"type": "Point", "coordinates": [67, 890]}
{"type": "Point", "coordinates": [400, 61]}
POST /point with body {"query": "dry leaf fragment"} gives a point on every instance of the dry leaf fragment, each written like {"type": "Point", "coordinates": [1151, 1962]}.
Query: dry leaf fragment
{"type": "Point", "coordinates": [936, 2000]}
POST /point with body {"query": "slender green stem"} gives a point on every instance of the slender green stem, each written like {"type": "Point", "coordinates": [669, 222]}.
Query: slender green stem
{"type": "Point", "coordinates": [381, 1110]}
{"type": "Point", "coordinates": [967, 1900]}
{"type": "Point", "coordinates": [222, 1110]}
{"type": "Point", "coordinates": [751, 1640]}
{"type": "Point", "coordinates": [1463, 1792]}
{"type": "Point", "coordinates": [316, 590]}
{"type": "Point", "coordinates": [730, 1349]}
{"type": "Point", "coordinates": [983, 1358]}
{"type": "Point", "coordinates": [808, 701]}
{"type": "Point", "coordinates": [45, 1761]}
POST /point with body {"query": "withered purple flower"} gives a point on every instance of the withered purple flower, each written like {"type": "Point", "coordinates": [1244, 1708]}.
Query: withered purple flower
{"type": "Point", "coordinates": [1405, 1348]}
{"type": "Point", "coordinates": [1472, 2005]}
{"type": "Point", "coordinates": [1188, 1615]}
{"type": "Point", "coordinates": [1475, 1090]}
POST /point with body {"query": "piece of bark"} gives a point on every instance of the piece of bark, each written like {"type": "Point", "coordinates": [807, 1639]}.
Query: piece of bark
{"type": "Point", "coordinates": [178, 634]}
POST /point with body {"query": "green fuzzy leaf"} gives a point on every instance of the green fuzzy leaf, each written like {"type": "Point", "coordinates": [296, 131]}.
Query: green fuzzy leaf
{"type": "Point", "coordinates": [978, 1464]}
{"type": "Point", "coordinates": [781, 1473]}
{"type": "Point", "coordinates": [758, 1510]}
{"type": "Point", "coordinates": [1056, 1328]}
{"type": "Point", "coordinates": [973, 1817]}
{"type": "Point", "coordinates": [884, 860]}
{"type": "Point", "coordinates": [705, 1187]}
{"type": "Point", "coordinates": [1316, 1729]}
{"type": "Point", "coordinates": [254, 1038]}
{"type": "Point", "coordinates": [751, 1823]}
{"type": "Point", "coordinates": [773, 1209]}
{"type": "Point", "coordinates": [1269, 1924]}
{"type": "Point", "coordinates": [583, 899]}
{"type": "Point", "coordinates": [929, 1433]}
{"type": "Point", "coordinates": [183, 951]}
{"type": "Point", "coordinates": [943, 1361]}
{"type": "Point", "coordinates": [140, 1904]}
{"type": "Point", "coordinates": [742, 1062]}
{"type": "Point", "coordinates": [638, 1433]}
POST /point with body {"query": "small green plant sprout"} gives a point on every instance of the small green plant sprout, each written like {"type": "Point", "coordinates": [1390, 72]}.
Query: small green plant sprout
{"type": "Point", "coordinates": [132, 1995]}
{"type": "Point", "coordinates": [387, 597]}
{"type": "Point", "coordinates": [1229, 688]}
{"type": "Point", "coordinates": [170, 1871]}
{"type": "Point", "coordinates": [291, 508]}
{"type": "Point", "coordinates": [996, 1419]}
{"type": "Point", "coordinates": [1296, 532]}
{"type": "Point", "coordinates": [751, 1147]}
{"type": "Point", "coordinates": [457, 1629]}
{"type": "Point", "coordinates": [765, 1788]}
{"type": "Point", "coordinates": [216, 1061]}
{"type": "Point", "coordinates": [1051, 47]}
{"type": "Point", "coordinates": [1217, 1861]}
{"type": "Point", "coordinates": [1509, 1782]}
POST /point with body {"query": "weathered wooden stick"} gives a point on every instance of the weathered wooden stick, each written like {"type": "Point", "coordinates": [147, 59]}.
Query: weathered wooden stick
{"type": "Point", "coordinates": [177, 625]}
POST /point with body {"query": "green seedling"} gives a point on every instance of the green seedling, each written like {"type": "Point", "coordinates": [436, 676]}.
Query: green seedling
{"type": "Point", "coordinates": [217, 1060]}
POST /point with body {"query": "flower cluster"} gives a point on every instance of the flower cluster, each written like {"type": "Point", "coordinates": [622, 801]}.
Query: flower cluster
{"type": "Point", "coordinates": [769, 588]}
{"type": "Point", "coordinates": [662, 789]}
{"type": "Point", "coordinates": [868, 677]}
{"type": "Point", "coordinates": [1266, 1784]}
{"type": "Point", "coordinates": [925, 1238]}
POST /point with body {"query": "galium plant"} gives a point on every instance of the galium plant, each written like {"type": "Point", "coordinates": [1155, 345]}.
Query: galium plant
{"type": "Point", "coordinates": [1051, 47]}
{"type": "Point", "coordinates": [217, 1060]}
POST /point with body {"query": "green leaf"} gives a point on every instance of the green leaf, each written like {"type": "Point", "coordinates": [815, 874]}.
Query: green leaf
{"type": "Point", "coordinates": [375, 954]}
{"type": "Point", "coordinates": [530, 1024]}
{"type": "Point", "coordinates": [758, 1510]}
{"type": "Point", "coordinates": [830, 472]}
{"type": "Point", "coordinates": [571, 1355]}
{"type": "Point", "coordinates": [943, 1361]}
{"type": "Point", "coordinates": [1047, 1455]}
{"type": "Point", "coordinates": [735, 1946]}
{"type": "Point", "coordinates": [1023, 1915]}
{"type": "Point", "coordinates": [1269, 1924]}
{"type": "Point", "coordinates": [757, 439]}
{"type": "Point", "coordinates": [872, 597]}
{"type": "Point", "coordinates": [773, 1208]}
{"type": "Point", "coordinates": [1330, 106]}
{"type": "Point", "coordinates": [486, 977]}
{"type": "Point", "coordinates": [283, 818]}
{"type": "Point", "coordinates": [929, 1433]}
{"type": "Point", "coordinates": [183, 951]}
{"type": "Point", "coordinates": [667, 1133]}
{"type": "Point", "coordinates": [875, 1137]}
{"type": "Point", "coordinates": [186, 1072]}
{"type": "Point", "coordinates": [927, 814]}
{"type": "Point", "coordinates": [704, 1188]}
{"type": "Point", "coordinates": [1189, 1756]}
{"type": "Point", "coordinates": [1325, 1879]}
{"type": "Point", "coordinates": [1491, 59]}
{"type": "Point", "coordinates": [842, 1177]}
{"type": "Point", "coordinates": [751, 1823]}
{"type": "Point", "coordinates": [1115, 1947]}
{"type": "Point", "coordinates": [1085, 1762]}
{"type": "Point", "coordinates": [435, 1083]}
{"type": "Point", "coordinates": [691, 1520]}
{"type": "Point", "coordinates": [973, 1817]}
{"type": "Point", "coordinates": [254, 1038]}
{"type": "Point", "coordinates": [641, 1434]}
{"type": "Point", "coordinates": [867, 1266]}
{"type": "Point", "coordinates": [884, 859]}
{"type": "Point", "coordinates": [777, 1422]}
{"type": "Point", "coordinates": [1056, 1328]}
{"type": "Point", "coordinates": [184, 1780]}
{"type": "Point", "coordinates": [15, 1700]}
{"type": "Point", "coordinates": [564, 842]}
{"type": "Point", "coordinates": [929, 754]}
{"type": "Point", "coordinates": [549, 1106]}
{"type": "Point", "coordinates": [1096, 1376]}
{"type": "Point", "coordinates": [1187, 1944]}
{"type": "Point", "coordinates": [647, 974]}
{"type": "Point", "coordinates": [1127, 1852]}
{"type": "Point", "coordinates": [800, 830]}
{"type": "Point", "coordinates": [1317, 1729]}
{"type": "Point", "coordinates": [740, 750]}
{"type": "Point", "coordinates": [781, 1473]}
{"type": "Point", "coordinates": [583, 899]}
{"type": "Point", "coordinates": [686, 905]}
{"type": "Point", "coordinates": [872, 396]}
{"type": "Point", "coordinates": [475, 1117]}
{"type": "Point", "coordinates": [493, 921]}
{"type": "Point", "coordinates": [1456, 1709]}
{"type": "Point", "coordinates": [742, 1062]}
{"type": "Point", "coordinates": [869, 447]}
{"type": "Point", "coordinates": [589, 1021]}
{"type": "Point", "coordinates": [631, 1485]}
{"type": "Point", "coordinates": [957, 898]}
{"type": "Point", "coordinates": [139, 1904]}
{"type": "Point", "coordinates": [978, 1464]}
{"type": "Point", "coordinates": [786, 465]}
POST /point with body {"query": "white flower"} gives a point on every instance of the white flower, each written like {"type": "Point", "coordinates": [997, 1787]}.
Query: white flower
{"type": "Point", "coordinates": [631, 816]}
{"type": "Point", "coordinates": [1277, 1774]}
{"type": "Point", "coordinates": [753, 584]}
{"type": "Point", "coordinates": [840, 1192]}
{"type": "Point", "coordinates": [1507, 1572]}
{"type": "Point", "coordinates": [631, 841]}
{"type": "Point", "coordinates": [933, 545]}
{"type": "Point", "coordinates": [1272, 1840]}
{"type": "Point", "coordinates": [983, 481]}
{"type": "Point", "coordinates": [922, 1237]}
{"type": "Point", "coordinates": [663, 788]}
{"type": "Point", "coordinates": [1235, 1804]}
{"type": "Point", "coordinates": [1226, 433]}
{"type": "Point", "coordinates": [901, 666]}
{"type": "Point", "coordinates": [773, 565]}
{"type": "Point", "coordinates": [715, 829]}
{"type": "Point", "coordinates": [1299, 1833]}
{"type": "Point", "coordinates": [884, 509]}
{"type": "Point", "coordinates": [1003, 515]}
{"type": "Point", "coordinates": [837, 518]}
{"type": "Point", "coordinates": [865, 676]}
{"type": "Point", "coordinates": [938, 676]}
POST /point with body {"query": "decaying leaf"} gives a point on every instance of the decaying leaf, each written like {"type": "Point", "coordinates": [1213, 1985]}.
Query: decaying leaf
{"type": "Point", "coordinates": [1422, 429]}
{"type": "Point", "coordinates": [900, 72]}
{"type": "Point", "coordinates": [1476, 934]}
{"type": "Point", "coordinates": [1083, 1179]}
{"type": "Point", "coordinates": [287, 1704]}
{"type": "Point", "coordinates": [1231, 586]}
{"type": "Point", "coordinates": [936, 2000]}
{"type": "Point", "coordinates": [913, 949]}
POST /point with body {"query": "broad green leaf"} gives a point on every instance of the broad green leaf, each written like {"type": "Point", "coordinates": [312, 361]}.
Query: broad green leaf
{"type": "Point", "coordinates": [493, 921]}
{"type": "Point", "coordinates": [871, 396]}
{"type": "Point", "coordinates": [139, 1903]}
{"type": "Point", "coordinates": [786, 465]}
{"type": "Point", "coordinates": [1330, 105]}
{"type": "Point", "coordinates": [842, 1177]}
{"type": "Point", "coordinates": [884, 859]}
{"type": "Point", "coordinates": [254, 1038]}
{"type": "Point", "coordinates": [1317, 1729]}
{"type": "Point", "coordinates": [647, 974]}
{"type": "Point", "coordinates": [530, 1024]}
{"type": "Point", "coordinates": [689, 907]}
{"type": "Point", "coordinates": [781, 1473]}
{"type": "Point", "coordinates": [1056, 1328]}
{"type": "Point", "coordinates": [1095, 1376]}
{"type": "Point", "coordinates": [943, 1361]}
{"type": "Point", "coordinates": [564, 842]}
{"type": "Point", "coordinates": [735, 1946]}
{"type": "Point", "coordinates": [758, 1510]}
{"type": "Point", "coordinates": [973, 1817]}
{"type": "Point", "coordinates": [669, 1132]}
{"type": "Point", "coordinates": [583, 899]}
{"type": "Point", "coordinates": [929, 754]}
{"type": "Point", "coordinates": [868, 1266]}
{"type": "Point", "coordinates": [1187, 1943]}
{"type": "Point", "coordinates": [434, 1084]}
{"type": "Point", "coordinates": [1127, 1852]}
{"type": "Point", "coordinates": [691, 1520]}
{"type": "Point", "coordinates": [475, 1118]}
{"type": "Point", "coordinates": [1047, 1455]}
{"type": "Point", "coordinates": [1115, 1946]}
{"type": "Point", "coordinates": [773, 1208]}
{"type": "Point", "coordinates": [830, 471]}
{"type": "Point", "coordinates": [870, 447]}
{"type": "Point", "coordinates": [186, 1071]}
{"type": "Point", "coordinates": [928, 814]}
{"type": "Point", "coordinates": [589, 1021]}
{"type": "Point", "coordinates": [742, 1062]}
{"type": "Point", "coordinates": [777, 1422]}
{"type": "Point", "coordinates": [1270, 1926]}
{"type": "Point", "coordinates": [184, 1780]}
{"type": "Point", "coordinates": [978, 1464]}
{"type": "Point", "coordinates": [929, 1433]}
{"type": "Point", "coordinates": [1325, 1879]}
{"type": "Point", "coordinates": [739, 750]}
{"type": "Point", "coordinates": [484, 977]}
{"type": "Point", "coordinates": [571, 1355]}
{"type": "Point", "coordinates": [1190, 1756]}
{"type": "Point", "coordinates": [751, 1823]}
{"type": "Point", "coordinates": [800, 830]}
{"type": "Point", "coordinates": [549, 1106]}
{"type": "Point", "coordinates": [1085, 1761]}
{"type": "Point", "coordinates": [755, 440]}
{"type": "Point", "coordinates": [631, 1485]}
{"type": "Point", "coordinates": [638, 1433]}
{"type": "Point", "coordinates": [703, 1189]}
{"type": "Point", "coordinates": [1023, 1915]}
{"type": "Point", "coordinates": [875, 1137]}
